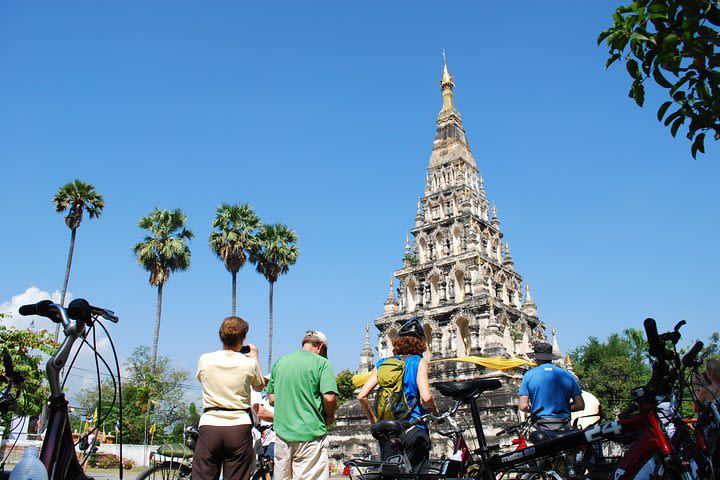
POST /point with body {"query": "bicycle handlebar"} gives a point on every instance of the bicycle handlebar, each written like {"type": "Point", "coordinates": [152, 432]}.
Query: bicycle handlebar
{"type": "Point", "coordinates": [660, 382]}
{"type": "Point", "coordinates": [654, 345]}
{"type": "Point", "coordinates": [80, 309]}
{"type": "Point", "coordinates": [41, 308]}
{"type": "Point", "coordinates": [514, 429]}
{"type": "Point", "coordinates": [689, 360]}
{"type": "Point", "coordinates": [438, 418]}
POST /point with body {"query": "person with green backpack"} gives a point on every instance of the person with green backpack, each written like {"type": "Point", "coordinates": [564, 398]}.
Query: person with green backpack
{"type": "Point", "coordinates": [404, 393]}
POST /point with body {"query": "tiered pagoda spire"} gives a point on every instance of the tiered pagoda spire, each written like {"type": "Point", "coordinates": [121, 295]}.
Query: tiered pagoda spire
{"type": "Point", "coordinates": [366, 356]}
{"type": "Point", "coordinates": [458, 275]}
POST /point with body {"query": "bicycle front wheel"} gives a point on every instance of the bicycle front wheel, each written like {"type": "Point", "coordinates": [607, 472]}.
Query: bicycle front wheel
{"type": "Point", "coordinates": [264, 472]}
{"type": "Point", "coordinates": [166, 471]}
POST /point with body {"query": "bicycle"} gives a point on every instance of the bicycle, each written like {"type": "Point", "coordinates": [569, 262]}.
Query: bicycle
{"type": "Point", "coordinates": [463, 461]}
{"type": "Point", "coordinates": [175, 461]}
{"type": "Point", "coordinates": [707, 421]}
{"type": "Point", "coordinates": [58, 449]}
{"type": "Point", "coordinates": [650, 455]}
{"type": "Point", "coordinates": [172, 460]}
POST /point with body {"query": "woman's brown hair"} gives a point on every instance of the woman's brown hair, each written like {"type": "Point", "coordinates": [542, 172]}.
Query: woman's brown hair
{"type": "Point", "coordinates": [407, 345]}
{"type": "Point", "coordinates": [233, 331]}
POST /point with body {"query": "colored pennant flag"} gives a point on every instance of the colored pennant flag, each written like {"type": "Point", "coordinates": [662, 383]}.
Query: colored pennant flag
{"type": "Point", "coordinates": [152, 429]}
{"type": "Point", "coordinates": [91, 419]}
{"type": "Point", "coordinates": [117, 426]}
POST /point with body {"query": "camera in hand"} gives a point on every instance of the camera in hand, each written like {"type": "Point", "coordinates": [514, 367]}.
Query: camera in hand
{"type": "Point", "coordinates": [245, 349]}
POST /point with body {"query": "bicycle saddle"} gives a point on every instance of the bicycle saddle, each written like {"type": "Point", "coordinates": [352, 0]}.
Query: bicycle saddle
{"type": "Point", "coordinates": [386, 429]}
{"type": "Point", "coordinates": [542, 435]}
{"type": "Point", "coordinates": [466, 390]}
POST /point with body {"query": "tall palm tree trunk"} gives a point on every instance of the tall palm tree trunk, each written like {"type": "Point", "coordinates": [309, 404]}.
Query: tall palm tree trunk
{"type": "Point", "coordinates": [270, 329]}
{"type": "Point", "coordinates": [156, 337]}
{"type": "Point", "coordinates": [67, 277]}
{"type": "Point", "coordinates": [234, 291]}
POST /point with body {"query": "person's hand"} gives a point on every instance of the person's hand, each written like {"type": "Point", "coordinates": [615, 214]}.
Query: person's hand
{"type": "Point", "coordinates": [253, 353]}
{"type": "Point", "coordinates": [263, 413]}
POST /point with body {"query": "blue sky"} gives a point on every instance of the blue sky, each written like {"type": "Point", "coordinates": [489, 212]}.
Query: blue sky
{"type": "Point", "coordinates": [322, 117]}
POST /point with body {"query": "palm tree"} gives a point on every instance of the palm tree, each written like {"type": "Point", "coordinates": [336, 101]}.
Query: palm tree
{"type": "Point", "coordinates": [272, 255]}
{"type": "Point", "coordinates": [75, 197]}
{"type": "Point", "coordinates": [162, 252]}
{"type": "Point", "coordinates": [233, 238]}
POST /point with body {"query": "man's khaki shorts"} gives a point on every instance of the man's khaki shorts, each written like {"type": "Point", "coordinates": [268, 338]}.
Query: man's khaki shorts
{"type": "Point", "coordinates": [301, 460]}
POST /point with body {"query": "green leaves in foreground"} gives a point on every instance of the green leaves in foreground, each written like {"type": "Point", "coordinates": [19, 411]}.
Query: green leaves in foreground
{"type": "Point", "coordinates": [674, 44]}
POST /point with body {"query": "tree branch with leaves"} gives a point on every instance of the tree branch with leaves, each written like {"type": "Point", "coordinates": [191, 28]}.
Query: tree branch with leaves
{"type": "Point", "coordinates": [673, 43]}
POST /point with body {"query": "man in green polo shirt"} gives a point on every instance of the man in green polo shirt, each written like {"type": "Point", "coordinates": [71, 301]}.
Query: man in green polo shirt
{"type": "Point", "coordinates": [303, 390]}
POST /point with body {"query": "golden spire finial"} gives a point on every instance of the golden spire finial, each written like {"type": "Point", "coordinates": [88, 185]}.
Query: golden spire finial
{"type": "Point", "coordinates": [447, 79]}
{"type": "Point", "coordinates": [447, 84]}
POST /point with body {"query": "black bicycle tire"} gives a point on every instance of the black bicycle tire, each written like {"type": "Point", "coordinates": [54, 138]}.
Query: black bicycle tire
{"type": "Point", "coordinates": [183, 470]}
{"type": "Point", "coordinates": [261, 473]}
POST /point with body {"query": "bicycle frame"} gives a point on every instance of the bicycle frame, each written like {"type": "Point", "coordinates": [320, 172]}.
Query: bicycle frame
{"type": "Point", "coordinates": [58, 448]}
{"type": "Point", "coordinates": [651, 452]}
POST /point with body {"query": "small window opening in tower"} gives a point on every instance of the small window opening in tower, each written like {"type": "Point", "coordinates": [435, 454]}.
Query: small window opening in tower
{"type": "Point", "coordinates": [422, 250]}
{"type": "Point", "coordinates": [428, 340]}
{"type": "Point", "coordinates": [410, 295]}
{"type": "Point", "coordinates": [457, 244]}
{"type": "Point", "coordinates": [463, 336]}
{"type": "Point", "coordinates": [459, 286]}
{"type": "Point", "coordinates": [435, 290]}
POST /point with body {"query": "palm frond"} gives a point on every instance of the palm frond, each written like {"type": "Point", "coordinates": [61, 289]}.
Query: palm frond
{"type": "Point", "coordinates": [76, 197]}
{"type": "Point", "coordinates": [165, 250]}
{"type": "Point", "coordinates": [275, 251]}
{"type": "Point", "coordinates": [234, 228]}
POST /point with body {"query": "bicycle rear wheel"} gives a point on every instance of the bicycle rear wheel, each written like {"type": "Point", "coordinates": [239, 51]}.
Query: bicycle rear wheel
{"type": "Point", "coordinates": [166, 471]}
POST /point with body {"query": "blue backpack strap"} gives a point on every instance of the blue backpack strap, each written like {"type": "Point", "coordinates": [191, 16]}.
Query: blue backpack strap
{"type": "Point", "coordinates": [410, 387]}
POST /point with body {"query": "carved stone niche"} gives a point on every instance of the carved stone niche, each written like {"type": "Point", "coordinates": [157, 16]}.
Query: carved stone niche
{"type": "Point", "coordinates": [474, 329]}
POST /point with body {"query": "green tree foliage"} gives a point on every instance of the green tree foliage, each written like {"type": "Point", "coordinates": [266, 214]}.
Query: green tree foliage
{"type": "Point", "coordinates": [25, 348]}
{"type": "Point", "coordinates": [674, 43]}
{"type": "Point", "coordinates": [273, 253]}
{"type": "Point", "coordinates": [610, 369]}
{"type": "Point", "coordinates": [163, 251]}
{"type": "Point", "coordinates": [233, 237]}
{"type": "Point", "coordinates": [147, 397]}
{"type": "Point", "coordinates": [346, 389]}
{"type": "Point", "coordinates": [712, 346]}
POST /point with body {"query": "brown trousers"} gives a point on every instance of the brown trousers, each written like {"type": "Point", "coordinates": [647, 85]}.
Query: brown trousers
{"type": "Point", "coordinates": [228, 447]}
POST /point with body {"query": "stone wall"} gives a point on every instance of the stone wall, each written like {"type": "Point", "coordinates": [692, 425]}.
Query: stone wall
{"type": "Point", "coordinates": [139, 454]}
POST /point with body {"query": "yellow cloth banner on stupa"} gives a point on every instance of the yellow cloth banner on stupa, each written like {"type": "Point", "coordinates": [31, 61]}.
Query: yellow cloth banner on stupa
{"type": "Point", "coordinates": [359, 379]}
{"type": "Point", "coordinates": [493, 363]}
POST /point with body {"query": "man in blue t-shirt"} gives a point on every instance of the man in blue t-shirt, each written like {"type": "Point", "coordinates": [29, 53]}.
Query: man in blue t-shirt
{"type": "Point", "coordinates": [550, 388]}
